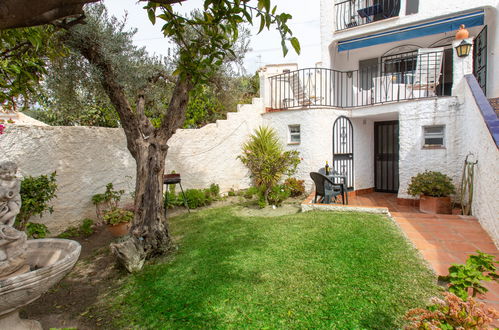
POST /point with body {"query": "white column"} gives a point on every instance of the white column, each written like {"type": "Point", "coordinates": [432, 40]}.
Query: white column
{"type": "Point", "coordinates": [461, 66]}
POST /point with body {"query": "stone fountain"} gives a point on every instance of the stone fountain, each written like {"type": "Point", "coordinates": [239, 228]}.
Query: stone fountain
{"type": "Point", "coordinates": [28, 268]}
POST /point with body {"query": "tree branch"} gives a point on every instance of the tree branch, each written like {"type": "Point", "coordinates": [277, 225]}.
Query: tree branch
{"type": "Point", "coordinates": [26, 13]}
{"type": "Point", "coordinates": [130, 122]}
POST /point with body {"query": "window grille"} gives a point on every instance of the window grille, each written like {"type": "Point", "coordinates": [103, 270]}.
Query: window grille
{"type": "Point", "coordinates": [294, 134]}
{"type": "Point", "coordinates": [434, 136]}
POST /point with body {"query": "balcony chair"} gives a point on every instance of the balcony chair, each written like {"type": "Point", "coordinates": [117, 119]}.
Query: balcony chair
{"type": "Point", "coordinates": [326, 189]}
{"type": "Point", "coordinates": [428, 70]}
{"type": "Point", "coordinates": [300, 95]}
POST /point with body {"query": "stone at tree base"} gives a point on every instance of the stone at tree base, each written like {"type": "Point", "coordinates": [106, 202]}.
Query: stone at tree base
{"type": "Point", "coordinates": [12, 321]}
{"type": "Point", "coordinates": [130, 254]}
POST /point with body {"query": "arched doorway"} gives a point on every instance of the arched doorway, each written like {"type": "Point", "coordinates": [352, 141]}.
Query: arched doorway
{"type": "Point", "coordinates": [343, 148]}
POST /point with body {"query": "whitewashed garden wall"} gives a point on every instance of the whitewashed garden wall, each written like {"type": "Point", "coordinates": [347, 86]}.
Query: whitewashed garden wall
{"type": "Point", "coordinates": [88, 158]}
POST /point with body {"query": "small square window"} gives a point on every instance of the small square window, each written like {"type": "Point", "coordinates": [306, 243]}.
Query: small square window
{"type": "Point", "coordinates": [434, 136]}
{"type": "Point", "coordinates": [294, 134]}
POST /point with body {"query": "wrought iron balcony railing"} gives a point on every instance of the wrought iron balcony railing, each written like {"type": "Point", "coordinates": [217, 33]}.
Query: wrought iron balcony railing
{"type": "Point", "coordinates": [350, 13]}
{"type": "Point", "coordinates": [408, 76]}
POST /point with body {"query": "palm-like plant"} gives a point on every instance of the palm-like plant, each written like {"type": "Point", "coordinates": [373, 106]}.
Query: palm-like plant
{"type": "Point", "coordinates": [266, 159]}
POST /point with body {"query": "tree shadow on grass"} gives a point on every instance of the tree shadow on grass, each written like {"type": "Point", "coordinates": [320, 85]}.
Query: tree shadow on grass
{"type": "Point", "coordinates": [197, 287]}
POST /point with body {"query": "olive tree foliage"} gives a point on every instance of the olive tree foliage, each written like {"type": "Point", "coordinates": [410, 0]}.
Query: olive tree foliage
{"type": "Point", "coordinates": [72, 93]}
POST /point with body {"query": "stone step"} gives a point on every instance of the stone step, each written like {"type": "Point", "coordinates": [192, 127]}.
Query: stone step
{"type": "Point", "coordinates": [436, 217]}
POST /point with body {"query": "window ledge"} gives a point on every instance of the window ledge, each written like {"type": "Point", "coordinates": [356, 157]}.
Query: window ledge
{"type": "Point", "coordinates": [433, 147]}
{"type": "Point", "coordinates": [293, 143]}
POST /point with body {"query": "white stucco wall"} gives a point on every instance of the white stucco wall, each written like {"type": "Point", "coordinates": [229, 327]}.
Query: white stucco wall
{"type": "Point", "coordinates": [316, 146]}
{"type": "Point", "coordinates": [413, 158]}
{"type": "Point", "coordinates": [208, 155]}
{"type": "Point", "coordinates": [476, 139]}
{"type": "Point", "coordinates": [85, 159]}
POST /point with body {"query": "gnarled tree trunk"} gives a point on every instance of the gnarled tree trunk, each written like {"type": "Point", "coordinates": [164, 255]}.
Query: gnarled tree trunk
{"type": "Point", "coordinates": [149, 234]}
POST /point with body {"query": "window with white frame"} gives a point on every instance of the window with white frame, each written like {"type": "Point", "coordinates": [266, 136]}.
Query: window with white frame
{"type": "Point", "coordinates": [294, 134]}
{"type": "Point", "coordinates": [434, 136]}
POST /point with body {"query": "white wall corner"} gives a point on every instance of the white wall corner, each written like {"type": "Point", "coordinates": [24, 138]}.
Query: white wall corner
{"type": "Point", "coordinates": [461, 65]}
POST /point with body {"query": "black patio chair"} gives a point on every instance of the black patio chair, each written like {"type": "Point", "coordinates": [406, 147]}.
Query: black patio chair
{"type": "Point", "coordinates": [326, 188]}
{"type": "Point", "coordinates": [337, 176]}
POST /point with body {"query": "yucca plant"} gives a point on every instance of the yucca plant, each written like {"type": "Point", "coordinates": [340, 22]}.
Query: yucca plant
{"type": "Point", "coordinates": [266, 159]}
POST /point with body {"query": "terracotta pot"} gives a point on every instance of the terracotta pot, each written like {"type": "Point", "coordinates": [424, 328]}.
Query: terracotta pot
{"type": "Point", "coordinates": [120, 229]}
{"type": "Point", "coordinates": [435, 205]}
{"type": "Point", "coordinates": [462, 33]}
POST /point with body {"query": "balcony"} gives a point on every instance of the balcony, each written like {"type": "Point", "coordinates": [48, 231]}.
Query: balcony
{"type": "Point", "coordinates": [350, 13]}
{"type": "Point", "coordinates": [408, 76]}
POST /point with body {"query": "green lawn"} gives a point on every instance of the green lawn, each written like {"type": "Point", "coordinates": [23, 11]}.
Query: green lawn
{"type": "Point", "coordinates": [308, 270]}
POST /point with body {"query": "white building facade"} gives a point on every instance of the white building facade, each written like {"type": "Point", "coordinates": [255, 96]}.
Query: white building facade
{"type": "Point", "coordinates": [389, 99]}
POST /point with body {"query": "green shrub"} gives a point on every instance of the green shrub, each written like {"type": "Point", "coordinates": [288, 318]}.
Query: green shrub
{"type": "Point", "coordinates": [431, 183]}
{"type": "Point", "coordinates": [278, 194]}
{"type": "Point", "coordinates": [266, 159]}
{"type": "Point", "coordinates": [250, 192]}
{"type": "Point", "coordinates": [477, 268]}
{"type": "Point", "coordinates": [451, 313]}
{"type": "Point", "coordinates": [36, 230]}
{"type": "Point", "coordinates": [36, 192]}
{"type": "Point", "coordinates": [296, 187]}
{"type": "Point", "coordinates": [195, 198]}
{"type": "Point", "coordinates": [87, 227]}
{"type": "Point", "coordinates": [214, 190]}
{"type": "Point", "coordinates": [107, 201]}
{"type": "Point", "coordinates": [231, 192]}
{"type": "Point", "coordinates": [171, 200]}
{"type": "Point", "coordinates": [116, 216]}
{"type": "Point", "coordinates": [84, 230]}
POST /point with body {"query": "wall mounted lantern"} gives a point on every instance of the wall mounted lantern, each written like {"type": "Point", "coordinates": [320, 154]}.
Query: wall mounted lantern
{"type": "Point", "coordinates": [463, 49]}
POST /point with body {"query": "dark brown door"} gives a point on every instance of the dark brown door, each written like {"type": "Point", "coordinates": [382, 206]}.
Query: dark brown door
{"type": "Point", "coordinates": [386, 156]}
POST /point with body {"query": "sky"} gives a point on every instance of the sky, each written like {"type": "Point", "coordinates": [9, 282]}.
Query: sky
{"type": "Point", "coordinates": [266, 46]}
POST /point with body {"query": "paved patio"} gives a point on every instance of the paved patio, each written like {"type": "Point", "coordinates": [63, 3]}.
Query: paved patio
{"type": "Point", "coordinates": [441, 239]}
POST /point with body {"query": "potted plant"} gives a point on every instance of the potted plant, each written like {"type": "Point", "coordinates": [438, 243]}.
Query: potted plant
{"type": "Point", "coordinates": [118, 221]}
{"type": "Point", "coordinates": [434, 190]}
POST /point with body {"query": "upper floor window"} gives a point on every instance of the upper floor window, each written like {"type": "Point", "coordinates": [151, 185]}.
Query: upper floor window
{"type": "Point", "coordinates": [433, 136]}
{"type": "Point", "coordinates": [294, 134]}
{"type": "Point", "coordinates": [350, 13]}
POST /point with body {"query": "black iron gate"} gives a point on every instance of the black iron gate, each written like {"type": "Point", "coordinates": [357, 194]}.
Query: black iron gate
{"type": "Point", "coordinates": [343, 148]}
{"type": "Point", "coordinates": [386, 156]}
{"type": "Point", "coordinates": [480, 59]}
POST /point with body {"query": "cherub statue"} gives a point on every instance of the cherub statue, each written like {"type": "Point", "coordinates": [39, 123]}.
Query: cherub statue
{"type": "Point", "coordinates": [12, 241]}
{"type": "Point", "coordinates": [10, 199]}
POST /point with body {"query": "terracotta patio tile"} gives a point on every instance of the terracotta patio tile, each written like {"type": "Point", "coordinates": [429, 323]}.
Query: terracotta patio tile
{"type": "Point", "coordinates": [476, 237]}
{"type": "Point", "coordinates": [419, 235]}
{"type": "Point", "coordinates": [433, 227]}
{"type": "Point", "coordinates": [485, 246]}
{"type": "Point", "coordinates": [440, 268]}
{"type": "Point", "coordinates": [439, 256]}
{"type": "Point", "coordinates": [459, 246]}
{"type": "Point", "coordinates": [447, 236]}
{"type": "Point", "coordinates": [426, 244]}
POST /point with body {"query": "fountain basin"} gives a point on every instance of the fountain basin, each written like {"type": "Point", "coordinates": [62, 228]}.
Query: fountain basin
{"type": "Point", "coordinates": [50, 260]}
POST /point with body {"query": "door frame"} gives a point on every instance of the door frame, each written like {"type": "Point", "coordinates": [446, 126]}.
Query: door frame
{"type": "Point", "coordinates": [351, 178]}
{"type": "Point", "coordinates": [375, 146]}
